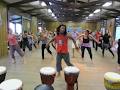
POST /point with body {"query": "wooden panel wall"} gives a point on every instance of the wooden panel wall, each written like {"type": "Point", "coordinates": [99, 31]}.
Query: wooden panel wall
{"type": "Point", "coordinates": [3, 30]}
{"type": "Point", "coordinates": [111, 25]}
{"type": "Point", "coordinates": [34, 25]}
{"type": "Point", "coordinates": [91, 26]}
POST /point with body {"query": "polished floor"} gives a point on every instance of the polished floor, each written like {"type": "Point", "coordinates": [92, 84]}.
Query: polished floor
{"type": "Point", "coordinates": [90, 78]}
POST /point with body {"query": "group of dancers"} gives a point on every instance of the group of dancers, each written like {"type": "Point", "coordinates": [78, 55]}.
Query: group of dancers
{"type": "Point", "coordinates": [60, 44]}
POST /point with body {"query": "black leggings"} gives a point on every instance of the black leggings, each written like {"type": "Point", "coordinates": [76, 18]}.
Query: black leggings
{"type": "Point", "coordinates": [118, 53]}
{"type": "Point", "coordinates": [88, 49]}
{"type": "Point", "coordinates": [26, 44]}
{"type": "Point", "coordinates": [106, 47]}
{"type": "Point", "coordinates": [98, 45]}
{"type": "Point", "coordinates": [43, 48]}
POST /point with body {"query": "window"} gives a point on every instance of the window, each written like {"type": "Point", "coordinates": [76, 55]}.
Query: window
{"type": "Point", "coordinates": [12, 27]}
{"type": "Point", "coordinates": [117, 33]}
{"type": "Point", "coordinates": [18, 28]}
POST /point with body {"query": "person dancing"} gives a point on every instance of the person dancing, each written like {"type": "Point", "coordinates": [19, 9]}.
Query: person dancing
{"type": "Point", "coordinates": [61, 42]}
{"type": "Point", "coordinates": [14, 46]}
{"type": "Point", "coordinates": [86, 43]}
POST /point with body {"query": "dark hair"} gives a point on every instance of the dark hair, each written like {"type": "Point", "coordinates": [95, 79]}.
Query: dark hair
{"type": "Point", "coordinates": [25, 31]}
{"type": "Point", "coordinates": [88, 31]}
{"type": "Point", "coordinates": [58, 29]}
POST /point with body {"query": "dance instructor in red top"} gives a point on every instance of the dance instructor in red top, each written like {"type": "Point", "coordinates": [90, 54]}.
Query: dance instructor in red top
{"type": "Point", "coordinates": [61, 44]}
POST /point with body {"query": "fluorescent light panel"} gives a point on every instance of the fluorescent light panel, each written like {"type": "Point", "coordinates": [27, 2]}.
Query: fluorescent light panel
{"type": "Point", "coordinates": [50, 3]}
{"type": "Point", "coordinates": [97, 11]}
{"type": "Point", "coordinates": [35, 3]}
{"type": "Point", "coordinates": [43, 4]}
{"type": "Point", "coordinates": [55, 17]}
{"type": "Point", "coordinates": [53, 14]}
{"type": "Point", "coordinates": [49, 10]}
{"type": "Point", "coordinates": [86, 17]}
{"type": "Point", "coordinates": [91, 15]}
{"type": "Point", "coordinates": [107, 4]}
{"type": "Point", "coordinates": [117, 18]}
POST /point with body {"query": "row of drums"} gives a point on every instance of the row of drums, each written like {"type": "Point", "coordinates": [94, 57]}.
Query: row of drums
{"type": "Point", "coordinates": [47, 74]}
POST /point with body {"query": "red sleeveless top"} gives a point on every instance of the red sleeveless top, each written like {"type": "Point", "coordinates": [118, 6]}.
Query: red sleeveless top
{"type": "Point", "coordinates": [61, 44]}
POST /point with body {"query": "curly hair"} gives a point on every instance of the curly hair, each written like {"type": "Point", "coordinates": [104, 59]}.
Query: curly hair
{"type": "Point", "coordinates": [58, 29]}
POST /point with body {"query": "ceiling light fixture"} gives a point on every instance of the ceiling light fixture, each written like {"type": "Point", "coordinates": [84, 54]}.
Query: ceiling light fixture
{"type": "Point", "coordinates": [55, 17]}
{"type": "Point", "coordinates": [76, 14]}
{"type": "Point", "coordinates": [97, 11]}
{"type": "Point", "coordinates": [35, 3]}
{"type": "Point", "coordinates": [117, 18]}
{"type": "Point", "coordinates": [49, 10]}
{"type": "Point", "coordinates": [91, 15]}
{"type": "Point", "coordinates": [43, 4]}
{"type": "Point", "coordinates": [83, 15]}
{"type": "Point", "coordinates": [40, 23]}
{"type": "Point", "coordinates": [53, 14]}
{"type": "Point", "coordinates": [86, 17]}
{"type": "Point", "coordinates": [107, 4]}
{"type": "Point", "coordinates": [50, 3]}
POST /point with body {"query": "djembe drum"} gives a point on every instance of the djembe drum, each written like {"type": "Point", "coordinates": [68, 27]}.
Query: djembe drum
{"type": "Point", "coordinates": [2, 73]}
{"type": "Point", "coordinates": [71, 75]}
{"type": "Point", "coordinates": [112, 81]}
{"type": "Point", "coordinates": [47, 75]}
{"type": "Point", "coordinates": [44, 87]}
{"type": "Point", "coordinates": [11, 84]}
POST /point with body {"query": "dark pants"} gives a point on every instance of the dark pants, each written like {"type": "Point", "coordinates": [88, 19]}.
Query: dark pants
{"type": "Point", "coordinates": [53, 46]}
{"type": "Point", "coordinates": [106, 46]}
{"type": "Point", "coordinates": [14, 48]}
{"type": "Point", "coordinates": [93, 42]}
{"type": "Point", "coordinates": [43, 48]}
{"type": "Point", "coordinates": [20, 44]}
{"type": "Point", "coordinates": [118, 52]}
{"type": "Point", "coordinates": [59, 58]}
{"type": "Point", "coordinates": [88, 49]}
{"type": "Point", "coordinates": [35, 45]}
{"type": "Point", "coordinates": [26, 44]}
{"type": "Point", "coordinates": [98, 45]}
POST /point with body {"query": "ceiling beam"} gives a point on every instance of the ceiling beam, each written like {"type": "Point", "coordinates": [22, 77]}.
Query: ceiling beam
{"type": "Point", "coordinates": [15, 19]}
{"type": "Point", "coordinates": [112, 9]}
{"type": "Point", "coordinates": [117, 0]}
{"type": "Point", "coordinates": [76, 1]}
{"type": "Point", "coordinates": [81, 2]}
{"type": "Point", "coordinates": [31, 10]}
{"type": "Point", "coordinates": [21, 2]}
{"type": "Point", "coordinates": [38, 15]}
{"type": "Point", "coordinates": [109, 16]}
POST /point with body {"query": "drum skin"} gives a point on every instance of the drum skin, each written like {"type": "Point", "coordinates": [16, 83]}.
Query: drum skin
{"type": "Point", "coordinates": [111, 85]}
{"type": "Point", "coordinates": [47, 79]}
{"type": "Point", "coordinates": [11, 84]}
{"type": "Point", "coordinates": [2, 77]}
{"type": "Point", "coordinates": [71, 79]}
{"type": "Point", "coordinates": [43, 87]}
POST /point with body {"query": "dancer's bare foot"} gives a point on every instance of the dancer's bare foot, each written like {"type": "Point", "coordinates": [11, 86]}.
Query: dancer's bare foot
{"type": "Point", "coordinates": [23, 60]}
{"type": "Point", "coordinates": [118, 68]}
{"type": "Point", "coordinates": [13, 61]}
{"type": "Point", "coordinates": [73, 56]}
{"type": "Point", "coordinates": [58, 74]}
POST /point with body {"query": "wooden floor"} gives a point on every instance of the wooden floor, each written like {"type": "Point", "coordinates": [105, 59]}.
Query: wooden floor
{"type": "Point", "coordinates": [90, 78]}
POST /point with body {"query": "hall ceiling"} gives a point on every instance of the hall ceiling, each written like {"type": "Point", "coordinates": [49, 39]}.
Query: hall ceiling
{"type": "Point", "coordinates": [67, 10]}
